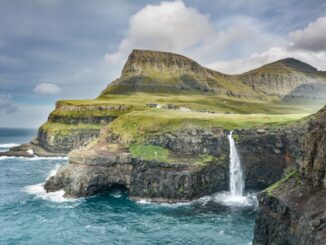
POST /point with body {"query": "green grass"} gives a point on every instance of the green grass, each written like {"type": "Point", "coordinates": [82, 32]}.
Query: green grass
{"type": "Point", "coordinates": [210, 102]}
{"type": "Point", "coordinates": [205, 159]}
{"type": "Point", "coordinates": [137, 124]}
{"type": "Point", "coordinates": [194, 101]}
{"type": "Point", "coordinates": [293, 174]}
{"type": "Point", "coordinates": [60, 129]}
{"type": "Point", "coordinates": [149, 152]}
{"type": "Point", "coordinates": [160, 154]}
{"type": "Point", "coordinates": [87, 113]}
{"type": "Point", "coordinates": [179, 82]}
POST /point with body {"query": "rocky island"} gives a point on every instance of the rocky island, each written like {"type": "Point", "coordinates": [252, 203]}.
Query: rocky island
{"type": "Point", "coordinates": [160, 132]}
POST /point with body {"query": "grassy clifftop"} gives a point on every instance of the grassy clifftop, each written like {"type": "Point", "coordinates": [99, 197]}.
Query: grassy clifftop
{"type": "Point", "coordinates": [135, 126]}
{"type": "Point", "coordinates": [160, 91]}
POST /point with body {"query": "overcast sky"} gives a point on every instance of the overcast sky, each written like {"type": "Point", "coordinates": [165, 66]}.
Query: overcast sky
{"type": "Point", "coordinates": [59, 49]}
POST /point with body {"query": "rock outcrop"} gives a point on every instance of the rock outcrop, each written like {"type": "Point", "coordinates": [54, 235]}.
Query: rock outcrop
{"type": "Point", "coordinates": [101, 167]}
{"type": "Point", "coordinates": [96, 168]}
{"type": "Point", "coordinates": [292, 211]}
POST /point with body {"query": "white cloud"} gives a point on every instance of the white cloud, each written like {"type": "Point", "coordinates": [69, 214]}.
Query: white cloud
{"type": "Point", "coordinates": [6, 105]}
{"type": "Point", "coordinates": [47, 89]}
{"type": "Point", "coordinates": [170, 26]}
{"type": "Point", "coordinates": [175, 27]}
{"type": "Point", "coordinates": [307, 45]}
{"type": "Point", "coordinates": [313, 37]}
{"type": "Point", "coordinates": [256, 60]}
{"type": "Point", "coordinates": [233, 45]}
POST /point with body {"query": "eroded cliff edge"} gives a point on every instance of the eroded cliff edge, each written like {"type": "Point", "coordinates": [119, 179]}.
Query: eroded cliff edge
{"type": "Point", "coordinates": [292, 211]}
{"type": "Point", "coordinates": [195, 163]}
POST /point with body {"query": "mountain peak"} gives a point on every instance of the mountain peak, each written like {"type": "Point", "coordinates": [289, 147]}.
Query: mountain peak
{"type": "Point", "coordinates": [296, 64]}
{"type": "Point", "coordinates": [140, 61]}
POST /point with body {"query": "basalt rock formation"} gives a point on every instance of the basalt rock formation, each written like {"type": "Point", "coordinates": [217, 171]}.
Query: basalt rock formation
{"type": "Point", "coordinates": [292, 211]}
{"type": "Point", "coordinates": [183, 176]}
{"type": "Point", "coordinates": [100, 168]}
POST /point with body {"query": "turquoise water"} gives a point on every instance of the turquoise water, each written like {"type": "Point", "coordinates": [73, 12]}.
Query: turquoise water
{"type": "Point", "coordinates": [30, 216]}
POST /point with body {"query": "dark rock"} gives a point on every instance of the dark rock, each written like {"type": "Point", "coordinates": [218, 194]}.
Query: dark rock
{"type": "Point", "coordinates": [89, 173]}
{"type": "Point", "coordinates": [293, 211]}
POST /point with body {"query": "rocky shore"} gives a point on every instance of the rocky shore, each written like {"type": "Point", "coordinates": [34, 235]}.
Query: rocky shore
{"type": "Point", "coordinates": [292, 211]}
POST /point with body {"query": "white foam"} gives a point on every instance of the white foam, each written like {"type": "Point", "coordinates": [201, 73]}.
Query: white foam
{"type": "Point", "coordinates": [39, 191]}
{"type": "Point", "coordinates": [164, 204]}
{"type": "Point", "coordinates": [5, 157]}
{"type": "Point", "coordinates": [143, 201]}
{"type": "Point", "coordinates": [226, 199]}
{"type": "Point", "coordinates": [8, 145]}
{"type": "Point", "coordinates": [30, 151]}
{"type": "Point", "coordinates": [174, 205]}
{"type": "Point", "coordinates": [53, 171]}
{"type": "Point", "coordinates": [116, 194]}
{"type": "Point", "coordinates": [36, 158]}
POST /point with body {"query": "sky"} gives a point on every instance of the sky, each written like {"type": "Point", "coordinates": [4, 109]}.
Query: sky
{"type": "Point", "coordinates": [59, 49]}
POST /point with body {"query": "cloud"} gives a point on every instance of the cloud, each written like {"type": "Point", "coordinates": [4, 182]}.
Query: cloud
{"type": "Point", "coordinates": [233, 45]}
{"type": "Point", "coordinates": [47, 89]}
{"type": "Point", "coordinates": [312, 37]}
{"type": "Point", "coordinates": [256, 60]}
{"type": "Point", "coordinates": [307, 44]}
{"type": "Point", "coordinates": [169, 26]}
{"type": "Point", "coordinates": [6, 105]}
{"type": "Point", "coordinates": [175, 27]}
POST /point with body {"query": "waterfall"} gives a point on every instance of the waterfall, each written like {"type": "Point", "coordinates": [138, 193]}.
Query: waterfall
{"type": "Point", "coordinates": [236, 174]}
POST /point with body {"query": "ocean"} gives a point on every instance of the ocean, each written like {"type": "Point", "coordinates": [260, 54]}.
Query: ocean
{"type": "Point", "coordinates": [28, 215]}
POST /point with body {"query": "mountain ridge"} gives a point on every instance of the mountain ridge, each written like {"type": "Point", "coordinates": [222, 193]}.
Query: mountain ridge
{"type": "Point", "coordinates": [164, 72]}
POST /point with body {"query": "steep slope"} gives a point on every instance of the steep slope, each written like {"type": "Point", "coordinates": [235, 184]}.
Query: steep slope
{"type": "Point", "coordinates": [292, 211]}
{"type": "Point", "coordinates": [161, 72]}
{"type": "Point", "coordinates": [289, 79]}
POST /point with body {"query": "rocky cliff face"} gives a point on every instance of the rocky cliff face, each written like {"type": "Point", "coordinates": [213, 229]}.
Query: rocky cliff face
{"type": "Point", "coordinates": [74, 126]}
{"type": "Point", "coordinates": [264, 154]}
{"type": "Point", "coordinates": [292, 211]}
{"type": "Point", "coordinates": [162, 72]}
{"type": "Point", "coordinates": [100, 167]}
{"type": "Point", "coordinates": [152, 71]}
{"type": "Point", "coordinates": [142, 61]}
{"type": "Point", "coordinates": [64, 143]}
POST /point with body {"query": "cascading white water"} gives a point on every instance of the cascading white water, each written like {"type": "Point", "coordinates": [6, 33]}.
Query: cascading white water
{"type": "Point", "coordinates": [236, 174]}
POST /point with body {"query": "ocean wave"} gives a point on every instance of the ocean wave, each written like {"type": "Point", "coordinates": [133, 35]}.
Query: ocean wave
{"type": "Point", "coordinates": [53, 171]}
{"type": "Point", "coordinates": [8, 145]}
{"type": "Point", "coordinates": [39, 191]}
{"type": "Point", "coordinates": [34, 158]}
